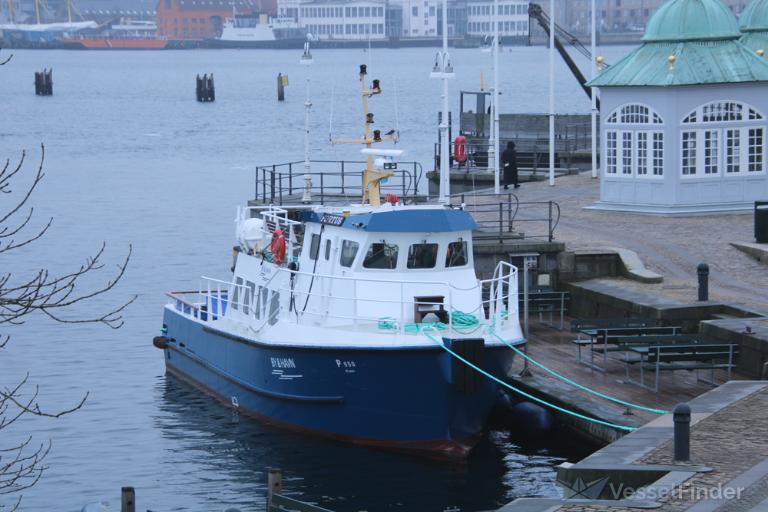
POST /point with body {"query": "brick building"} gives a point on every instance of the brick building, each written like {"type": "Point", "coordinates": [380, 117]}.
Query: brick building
{"type": "Point", "coordinates": [200, 19]}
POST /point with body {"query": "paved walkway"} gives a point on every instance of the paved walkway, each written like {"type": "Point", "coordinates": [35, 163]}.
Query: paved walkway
{"type": "Point", "coordinates": [728, 433]}
{"type": "Point", "coordinates": [671, 246]}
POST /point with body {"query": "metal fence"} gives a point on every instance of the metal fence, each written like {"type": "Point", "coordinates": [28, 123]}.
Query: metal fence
{"type": "Point", "coordinates": [506, 215]}
{"type": "Point", "coordinates": [330, 180]}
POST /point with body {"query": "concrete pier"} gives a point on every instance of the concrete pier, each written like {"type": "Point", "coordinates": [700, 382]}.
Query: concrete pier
{"type": "Point", "coordinates": [728, 470]}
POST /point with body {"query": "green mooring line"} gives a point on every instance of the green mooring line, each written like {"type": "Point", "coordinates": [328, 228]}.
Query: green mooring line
{"type": "Point", "coordinates": [573, 383]}
{"type": "Point", "coordinates": [528, 395]}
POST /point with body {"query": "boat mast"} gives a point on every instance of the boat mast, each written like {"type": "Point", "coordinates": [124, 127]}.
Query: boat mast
{"type": "Point", "coordinates": [371, 177]}
{"type": "Point", "coordinates": [37, 11]}
{"type": "Point", "coordinates": [10, 12]}
{"type": "Point", "coordinates": [69, 10]}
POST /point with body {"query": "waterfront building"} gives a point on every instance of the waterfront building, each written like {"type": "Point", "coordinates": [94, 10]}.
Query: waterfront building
{"type": "Point", "coordinates": [356, 20]}
{"type": "Point", "coordinates": [615, 15]}
{"type": "Point", "coordinates": [684, 117]}
{"type": "Point", "coordinates": [420, 18]}
{"type": "Point", "coordinates": [288, 9]}
{"type": "Point", "coordinates": [200, 19]}
{"type": "Point", "coordinates": [513, 17]}
{"type": "Point", "coordinates": [754, 25]}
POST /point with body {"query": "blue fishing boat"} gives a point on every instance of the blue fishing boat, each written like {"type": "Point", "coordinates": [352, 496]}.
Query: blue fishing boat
{"type": "Point", "coordinates": [345, 321]}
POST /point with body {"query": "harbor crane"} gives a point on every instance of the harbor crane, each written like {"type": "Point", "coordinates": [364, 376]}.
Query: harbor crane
{"type": "Point", "coordinates": [536, 12]}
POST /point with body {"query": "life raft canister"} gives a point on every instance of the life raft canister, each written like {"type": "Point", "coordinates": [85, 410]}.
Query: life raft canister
{"type": "Point", "coordinates": [460, 149]}
{"type": "Point", "coordinates": [277, 247]}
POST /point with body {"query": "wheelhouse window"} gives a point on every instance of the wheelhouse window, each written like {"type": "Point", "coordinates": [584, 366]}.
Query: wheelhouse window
{"type": "Point", "coordinates": [327, 250]}
{"type": "Point", "coordinates": [381, 255]}
{"type": "Point", "coordinates": [422, 255]}
{"type": "Point", "coordinates": [314, 247]}
{"type": "Point", "coordinates": [348, 253]}
{"type": "Point", "coordinates": [731, 135]}
{"type": "Point", "coordinates": [456, 255]}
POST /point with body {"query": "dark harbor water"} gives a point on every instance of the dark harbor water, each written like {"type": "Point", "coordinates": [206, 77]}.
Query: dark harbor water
{"type": "Point", "coordinates": [131, 158]}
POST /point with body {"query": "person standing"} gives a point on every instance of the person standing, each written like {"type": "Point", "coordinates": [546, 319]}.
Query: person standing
{"type": "Point", "coordinates": [509, 164]}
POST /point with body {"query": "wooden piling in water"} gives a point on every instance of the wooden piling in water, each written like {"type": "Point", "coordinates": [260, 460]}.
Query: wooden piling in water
{"type": "Point", "coordinates": [280, 88]}
{"type": "Point", "coordinates": [128, 500]}
{"type": "Point", "coordinates": [205, 90]}
{"type": "Point", "coordinates": [44, 82]}
{"type": "Point", "coordinates": [274, 485]}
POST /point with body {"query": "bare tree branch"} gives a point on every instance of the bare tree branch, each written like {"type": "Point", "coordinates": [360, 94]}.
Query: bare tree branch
{"type": "Point", "coordinates": [6, 61]}
{"type": "Point", "coordinates": [22, 465]}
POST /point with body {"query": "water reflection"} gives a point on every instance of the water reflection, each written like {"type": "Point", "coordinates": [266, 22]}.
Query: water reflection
{"type": "Point", "coordinates": [231, 455]}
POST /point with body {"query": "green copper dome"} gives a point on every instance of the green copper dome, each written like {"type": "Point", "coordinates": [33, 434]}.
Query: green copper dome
{"type": "Point", "coordinates": [755, 17]}
{"type": "Point", "coordinates": [689, 20]}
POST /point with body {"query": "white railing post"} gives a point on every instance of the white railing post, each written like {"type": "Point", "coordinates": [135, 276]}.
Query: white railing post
{"type": "Point", "coordinates": [354, 305]}
{"type": "Point", "coordinates": [402, 308]}
{"type": "Point", "coordinates": [208, 302]}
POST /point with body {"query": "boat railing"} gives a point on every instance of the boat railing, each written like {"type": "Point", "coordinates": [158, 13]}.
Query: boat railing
{"type": "Point", "coordinates": [505, 215]}
{"type": "Point", "coordinates": [386, 304]}
{"type": "Point", "coordinates": [329, 181]}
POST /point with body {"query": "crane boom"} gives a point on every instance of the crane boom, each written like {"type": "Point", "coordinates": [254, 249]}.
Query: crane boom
{"type": "Point", "coordinates": [536, 12]}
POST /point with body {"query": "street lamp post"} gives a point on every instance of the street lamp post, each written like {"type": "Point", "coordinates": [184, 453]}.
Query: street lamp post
{"type": "Point", "coordinates": [306, 60]}
{"type": "Point", "coordinates": [443, 70]}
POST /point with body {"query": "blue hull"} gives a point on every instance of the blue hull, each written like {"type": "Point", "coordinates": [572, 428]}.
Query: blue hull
{"type": "Point", "coordinates": [416, 398]}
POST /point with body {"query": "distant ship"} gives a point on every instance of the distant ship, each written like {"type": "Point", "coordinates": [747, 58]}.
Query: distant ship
{"type": "Point", "coordinates": [259, 31]}
{"type": "Point", "coordinates": [129, 35]}
{"type": "Point", "coordinates": [38, 34]}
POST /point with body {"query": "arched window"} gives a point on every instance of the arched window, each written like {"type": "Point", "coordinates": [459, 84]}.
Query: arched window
{"type": "Point", "coordinates": [722, 138]}
{"type": "Point", "coordinates": [634, 142]}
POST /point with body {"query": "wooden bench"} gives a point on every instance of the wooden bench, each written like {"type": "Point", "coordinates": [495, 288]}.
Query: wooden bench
{"type": "Point", "coordinates": [682, 356]}
{"type": "Point", "coordinates": [589, 326]}
{"type": "Point", "coordinates": [600, 339]}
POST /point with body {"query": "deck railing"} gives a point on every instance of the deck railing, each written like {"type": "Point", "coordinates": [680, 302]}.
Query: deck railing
{"type": "Point", "coordinates": [259, 305]}
{"type": "Point", "coordinates": [506, 215]}
{"type": "Point", "coordinates": [331, 180]}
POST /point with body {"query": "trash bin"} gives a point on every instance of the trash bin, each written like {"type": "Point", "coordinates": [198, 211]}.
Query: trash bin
{"type": "Point", "coordinates": [761, 222]}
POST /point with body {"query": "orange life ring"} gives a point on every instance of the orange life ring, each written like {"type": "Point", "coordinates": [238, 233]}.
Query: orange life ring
{"type": "Point", "coordinates": [460, 149]}
{"type": "Point", "coordinates": [277, 247]}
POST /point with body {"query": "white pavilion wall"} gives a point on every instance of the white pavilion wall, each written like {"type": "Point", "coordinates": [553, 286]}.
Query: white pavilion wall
{"type": "Point", "coordinates": [675, 192]}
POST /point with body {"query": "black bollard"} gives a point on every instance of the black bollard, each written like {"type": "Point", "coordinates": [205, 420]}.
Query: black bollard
{"type": "Point", "coordinates": [280, 88]}
{"type": "Point", "coordinates": [703, 271]}
{"type": "Point", "coordinates": [682, 442]}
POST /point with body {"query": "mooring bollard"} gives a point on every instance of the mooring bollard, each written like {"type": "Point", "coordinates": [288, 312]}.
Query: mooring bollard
{"type": "Point", "coordinates": [703, 271]}
{"type": "Point", "coordinates": [682, 440]}
{"type": "Point", "coordinates": [128, 503]}
{"type": "Point", "coordinates": [274, 485]}
{"type": "Point", "coordinates": [280, 88]}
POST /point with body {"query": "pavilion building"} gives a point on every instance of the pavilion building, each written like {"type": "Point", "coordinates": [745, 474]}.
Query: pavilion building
{"type": "Point", "coordinates": [684, 117]}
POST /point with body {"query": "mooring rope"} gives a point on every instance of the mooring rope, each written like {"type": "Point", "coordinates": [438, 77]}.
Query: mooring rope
{"type": "Point", "coordinates": [528, 395]}
{"type": "Point", "coordinates": [573, 383]}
